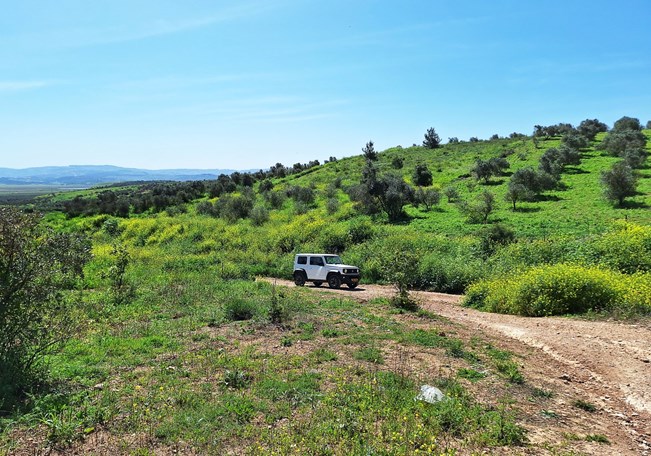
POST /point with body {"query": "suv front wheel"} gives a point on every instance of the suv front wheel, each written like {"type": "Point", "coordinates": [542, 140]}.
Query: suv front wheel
{"type": "Point", "coordinates": [299, 278]}
{"type": "Point", "coordinates": [334, 281]}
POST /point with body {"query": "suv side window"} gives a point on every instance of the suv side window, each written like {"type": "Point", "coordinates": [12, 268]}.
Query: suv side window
{"type": "Point", "coordinates": [316, 261]}
{"type": "Point", "coordinates": [302, 260]}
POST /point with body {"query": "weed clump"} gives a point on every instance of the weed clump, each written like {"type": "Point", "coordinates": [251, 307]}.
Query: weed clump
{"type": "Point", "coordinates": [238, 309]}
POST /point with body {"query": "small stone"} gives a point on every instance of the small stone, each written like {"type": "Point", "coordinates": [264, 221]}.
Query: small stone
{"type": "Point", "coordinates": [565, 377]}
{"type": "Point", "coordinates": [99, 386]}
{"type": "Point", "coordinates": [430, 394]}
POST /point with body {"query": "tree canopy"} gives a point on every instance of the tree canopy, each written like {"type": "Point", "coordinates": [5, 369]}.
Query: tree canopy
{"type": "Point", "coordinates": [432, 139]}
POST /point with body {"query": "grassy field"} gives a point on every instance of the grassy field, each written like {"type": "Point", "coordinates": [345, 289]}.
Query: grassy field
{"type": "Point", "coordinates": [198, 364]}
{"type": "Point", "coordinates": [21, 194]}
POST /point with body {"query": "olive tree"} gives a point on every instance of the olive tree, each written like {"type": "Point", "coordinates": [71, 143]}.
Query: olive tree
{"type": "Point", "coordinates": [618, 183]}
{"type": "Point", "coordinates": [39, 269]}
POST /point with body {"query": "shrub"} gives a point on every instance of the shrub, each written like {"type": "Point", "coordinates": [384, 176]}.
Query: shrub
{"type": "Point", "coordinates": [479, 210]}
{"type": "Point", "coordinates": [259, 215]}
{"type": "Point", "coordinates": [398, 270]}
{"type": "Point", "coordinates": [427, 197]}
{"type": "Point", "coordinates": [369, 152]}
{"type": "Point", "coordinates": [448, 272]}
{"type": "Point", "coordinates": [451, 193]}
{"type": "Point", "coordinates": [303, 195]}
{"type": "Point", "coordinates": [360, 230]}
{"type": "Point", "coordinates": [276, 199]}
{"type": "Point", "coordinates": [334, 240]}
{"type": "Point", "coordinates": [422, 176]}
{"type": "Point", "coordinates": [626, 248]}
{"type": "Point", "coordinates": [112, 227]}
{"type": "Point", "coordinates": [238, 309]}
{"type": "Point", "coordinates": [493, 237]}
{"type": "Point", "coordinates": [370, 354]}
{"type": "Point", "coordinates": [120, 289]}
{"type": "Point", "coordinates": [549, 290]}
{"type": "Point", "coordinates": [232, 208]}
{"type": "Point", "coordinates": [207, 208]}
{"type": "Point", "coordinates": [332, 205]}
{"type": "Point", "coordinates": [635, 158]}
{"type": "Point", "coordinates": [37, 266]}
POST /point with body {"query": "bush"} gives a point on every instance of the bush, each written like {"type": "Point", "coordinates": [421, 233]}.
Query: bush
{"type": "Point", "coordinates": [552, 290]}
{"type": "Point", "coordinates": [232, 208]}
{"type": "Point", "coordinates": [121, 291]}
{"type": "Point", "coordinates": [479, 210]}
{"type": "Point", "coordinates": [360, 230]}
{"type": "Point", "coordinates": [238, 309]}
{"type": "Point", "coordinates": [451, 193]}
{"type": "Point", "coordinates": [627, 248]}
{"type": "Point", "coordinates": [303, 195]}
{"type": "Point", "coordinates": [259, 215]}
{"type": "Point", "coordinates": [332, 205]}
{"type": "Point", "coordinates": [427, 197]}
{"type": "Point", "coordinates": [398, 270]}
{"type": "Point", "coordinates": [422, 176]}
{"type": "Point", "coordinates": [276, 199]}
{"type": "Point", "coordinates": [493, 237]}
{"type": "Point", "coordinates": [207, 208]}
{"type": "Point", "coordinates": [37, 266]}
{"type": "Point", "coordinates": [448, 272]}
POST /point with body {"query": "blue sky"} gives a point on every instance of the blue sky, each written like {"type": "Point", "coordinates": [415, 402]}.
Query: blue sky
{"type": "Point", "coordinates": [245, 84]}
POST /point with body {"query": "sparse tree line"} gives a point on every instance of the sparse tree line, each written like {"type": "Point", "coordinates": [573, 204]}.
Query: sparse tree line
{"type": "Point", "coordinates": [160, 196]}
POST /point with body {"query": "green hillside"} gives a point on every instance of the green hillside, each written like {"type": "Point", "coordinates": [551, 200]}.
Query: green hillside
{"type": "Point", "coordinates": [171, 346]}
{"type": "Point", "coordinates": [270, 225]}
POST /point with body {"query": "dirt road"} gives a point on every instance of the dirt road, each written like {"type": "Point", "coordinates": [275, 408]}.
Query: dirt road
{"type": "Point", "coordinates": [608, 363]}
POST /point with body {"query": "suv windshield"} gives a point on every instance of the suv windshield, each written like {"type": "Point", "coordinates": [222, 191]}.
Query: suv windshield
{"type": "Point", "coordinates": [333, 259]}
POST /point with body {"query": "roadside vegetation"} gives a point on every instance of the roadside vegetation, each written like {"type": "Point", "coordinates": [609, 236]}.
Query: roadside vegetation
{"type": "Point", "coordinates": [160, 334]}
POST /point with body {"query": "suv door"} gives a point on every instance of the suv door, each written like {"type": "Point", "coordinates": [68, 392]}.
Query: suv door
{"type": "Point", "coordinates": [316, 268]}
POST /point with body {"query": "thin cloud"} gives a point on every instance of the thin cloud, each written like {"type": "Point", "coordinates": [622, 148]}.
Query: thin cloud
{"type": "Point", "coordinates": [18, 86]}
{"type": "Point", "coordinates": [168, 27]}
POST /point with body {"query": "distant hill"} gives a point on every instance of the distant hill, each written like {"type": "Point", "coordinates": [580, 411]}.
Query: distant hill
{"type": "Point", "coordinates": [86, 176]}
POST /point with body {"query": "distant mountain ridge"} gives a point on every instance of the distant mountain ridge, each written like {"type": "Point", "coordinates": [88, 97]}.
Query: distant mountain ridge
{"type": "Point", "coordinates": [89, 175]}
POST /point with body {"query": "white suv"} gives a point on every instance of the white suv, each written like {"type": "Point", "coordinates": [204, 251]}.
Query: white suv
{"type": "Point", "coordinates": [320, 267]}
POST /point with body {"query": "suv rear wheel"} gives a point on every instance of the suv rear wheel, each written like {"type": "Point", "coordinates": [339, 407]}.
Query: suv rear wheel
{"type": "Point", "coordinates": [299, 278]}
{"type": "Point", "coordinates": [334, 281]}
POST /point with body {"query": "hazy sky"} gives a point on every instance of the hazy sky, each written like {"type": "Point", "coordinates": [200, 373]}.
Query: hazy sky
{"type": "Point", "coordinates": [245, 84]}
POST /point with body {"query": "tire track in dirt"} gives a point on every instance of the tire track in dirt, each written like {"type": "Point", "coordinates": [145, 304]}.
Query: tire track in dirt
{"type": "Point", "coordinates": [606, 361]}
